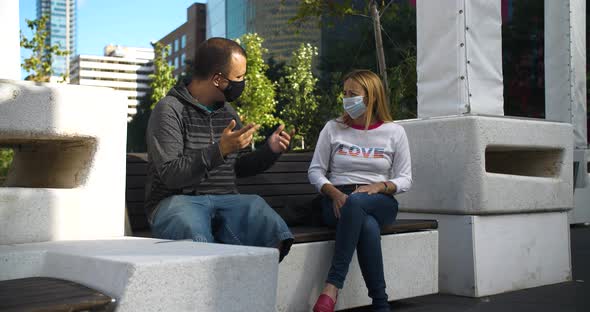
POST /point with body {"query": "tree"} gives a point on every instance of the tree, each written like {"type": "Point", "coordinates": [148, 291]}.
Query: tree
{"type": "Point", "coordinates": [5, 161]}
{"type": "Point", "coordinates": [297, 91]}
{"type": "Point", "coordinates": [319, 8]}
{"type": "Point", "coordinates": [349, 43]}
{"type": "Point", "coordinates": [257, 103]}
{"type": "Point", "coordinates": [161, 80]}
{"type": "Point", "coordinates": [41, 57]}
{"type": "Point", "coordinates": [403, 81]}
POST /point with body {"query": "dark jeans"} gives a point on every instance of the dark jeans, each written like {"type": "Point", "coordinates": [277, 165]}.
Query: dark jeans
{"type": "Point", "coordinates": [359, 227]}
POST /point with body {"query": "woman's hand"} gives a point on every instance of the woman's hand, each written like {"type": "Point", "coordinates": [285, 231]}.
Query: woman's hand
{"type": "Point", "coordinates": [371, 189]}
{"type": "Point", "coordinates": [338, 201]}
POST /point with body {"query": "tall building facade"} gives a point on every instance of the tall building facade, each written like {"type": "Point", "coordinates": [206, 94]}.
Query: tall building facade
{"type": "Point", "coordinates": [185, 39]}
{"type": "Point", "coordinates": [216, 19]}
{"type": "Point", "coordinates": [122, 68]}
{"type": "Point", "coordinates": [267, 18]}
{"type": "Point", "coordinates": [62, 30]}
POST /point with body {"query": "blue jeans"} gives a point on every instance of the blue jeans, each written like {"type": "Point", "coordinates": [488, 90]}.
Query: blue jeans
{"type": "Point", "coordinates": [228, 219]}
{"type": "Point", "coordinates": [359, 227]}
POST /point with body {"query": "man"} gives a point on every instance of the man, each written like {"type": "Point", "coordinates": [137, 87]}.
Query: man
{"type": "Point", "coordinates": [195, 141]}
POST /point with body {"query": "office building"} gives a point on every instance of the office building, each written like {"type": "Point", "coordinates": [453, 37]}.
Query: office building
{"type": "Point", "coordinates": [122, 68]}
{"type": "Point", "coordinates": [267, 18]}
{"type": "Point", "coordinates": [185, 39]}
{"type": "Point", "coordinates": [62, 30]}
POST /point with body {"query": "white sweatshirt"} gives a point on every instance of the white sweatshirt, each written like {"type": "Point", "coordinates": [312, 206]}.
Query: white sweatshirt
{"type": "Point", "coordinates": [351, 155]}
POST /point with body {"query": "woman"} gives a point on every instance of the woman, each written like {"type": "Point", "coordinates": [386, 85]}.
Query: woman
{"type": "Point", "coordinates": [368, 160]}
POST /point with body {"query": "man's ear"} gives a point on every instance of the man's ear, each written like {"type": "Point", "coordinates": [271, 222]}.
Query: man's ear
{"type": "Point", "coordinates": [216, 78]}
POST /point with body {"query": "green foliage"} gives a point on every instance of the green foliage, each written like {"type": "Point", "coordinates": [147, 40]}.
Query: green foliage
{"type": "Point", "coordinates": [319, 8]}
{"type": "Point", "coordinates": [161, 80]}
{"type": "Point", "coordinates": [41, 53]}
{"type": "Point", "coordinates": [257, 103]}
{"type": "Point", "coordinates": [329, 92]}
{"type": "Point", "coordinates": [350, 44]}
{"type": "Point", "coordinates": [402, 84]}
{"type": "Point", "coordinates": [5, 161]}
{"type": "Point", "coordinates": [297, 91]}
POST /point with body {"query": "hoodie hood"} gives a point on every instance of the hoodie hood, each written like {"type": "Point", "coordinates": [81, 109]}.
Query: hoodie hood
{"type": "Point", "coordinates": [180, 92]}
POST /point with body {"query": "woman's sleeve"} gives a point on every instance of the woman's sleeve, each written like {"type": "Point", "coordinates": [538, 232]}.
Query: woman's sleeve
{"type": "Point", "coordinates": [321, 160]}
{"type": "Point", "coordinates": [401, 169]}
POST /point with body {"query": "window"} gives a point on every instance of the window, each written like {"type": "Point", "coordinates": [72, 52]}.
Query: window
{"type": "Point", "coordinates": [183, 42]}
{"type": "Point", "coordinates": [176, 62]}
{"type": "Point", "coordinates": [176, 44]}
{"type": "Point", "coordinates": [170, 48]}
{"type": "Point", "coordinates": [182, 59]}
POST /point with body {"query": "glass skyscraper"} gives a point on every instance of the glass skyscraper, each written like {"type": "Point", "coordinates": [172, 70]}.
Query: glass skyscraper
{"type": "Point", "coordinates": [216, 18]}
{"type": "Point", "coordinates": [269, 18]}
{"type": "Point", "coordinates": [62, 30]}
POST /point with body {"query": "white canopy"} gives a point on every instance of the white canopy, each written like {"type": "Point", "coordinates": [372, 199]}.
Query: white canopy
{"type": "Point", "coordinates": [459, 60]}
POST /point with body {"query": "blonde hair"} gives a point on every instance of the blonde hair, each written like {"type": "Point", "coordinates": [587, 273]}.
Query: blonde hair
{"type": "Point", "coordinates": [377, 104]}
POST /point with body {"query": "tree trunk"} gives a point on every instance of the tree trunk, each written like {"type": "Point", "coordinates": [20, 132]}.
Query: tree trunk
{"type": "Point", "coordinates": [379, 44]}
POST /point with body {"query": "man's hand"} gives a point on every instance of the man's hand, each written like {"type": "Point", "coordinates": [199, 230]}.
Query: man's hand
{"type": "Point", "coordinates": [279, 140]}
{"type": "Point", "coordinates": [232, 141]}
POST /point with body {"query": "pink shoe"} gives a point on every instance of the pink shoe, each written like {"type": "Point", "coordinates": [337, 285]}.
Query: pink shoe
{"type": "Point", "coordinates": [324, 304]}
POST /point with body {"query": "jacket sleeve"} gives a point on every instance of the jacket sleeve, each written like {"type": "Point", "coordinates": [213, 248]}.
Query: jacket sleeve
{"type": "Point", "coordinates": [165, 145]}
{"type": "Point", "coordinates": [251, 163]}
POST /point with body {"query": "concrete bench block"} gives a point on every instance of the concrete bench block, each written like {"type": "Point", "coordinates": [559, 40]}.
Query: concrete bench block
{"type": "Point", "coordinates": [155, 275]}
{"type": "Point", "coordinates": [478, 165]}
{"type": "Point", "coordinates": [67, 179]}
{"type": "Point", "coordinates": [487, 255]}
{"type": "Point", "coordinates": [410, 262]}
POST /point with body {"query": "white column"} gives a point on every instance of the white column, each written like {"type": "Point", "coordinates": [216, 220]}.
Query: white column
{"type": "Point", "coordinates": [9, 36]}
{"type": "Point", "coordinates": [565, 65]}
{"type": "Point", "coordinates": [459, 59]}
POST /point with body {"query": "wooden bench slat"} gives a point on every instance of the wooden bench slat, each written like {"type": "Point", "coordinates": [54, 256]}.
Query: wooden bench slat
{"type": "Point", "coordinates": [289, 167]}
{"type": "Point", "coordinates": [135, 208]}
{"type": "Point", "coordinates": [139, 223]}
{"type": "Point", "coordinates": [306, 234]}
{"type": "Point", "coordinates": [274, 178]}
{"type": "Point", "coordinates": [136, 169]}
{"type": "Point", "coordinates": [135, 195]}
{"type": "Point", "coordinates": [289, 157]}
{"type": "Point", "coordinates": [278, 189]}
{"type": "Point", "coordinates": [137, 157]}
{"type": "Point", "coordinates": [289, 200]}
{"type": "Point", "coordinates": [48, 294]}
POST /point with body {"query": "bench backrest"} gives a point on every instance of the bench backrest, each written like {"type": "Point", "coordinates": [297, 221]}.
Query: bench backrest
{"type": "Point", "coordinates": [284, 186]}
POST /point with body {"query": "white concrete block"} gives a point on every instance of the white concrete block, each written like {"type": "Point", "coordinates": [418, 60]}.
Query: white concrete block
{"type": "Point", "coordinates": [410, 263]}
{"type": "Point", "coordinates": [67, 180]}
{"type": "Point", "coordinates": [155, 275]}
{"type": "Point", "coordinates": [487, 255]}
{"type": "Point", "coordinates": [488, 165]}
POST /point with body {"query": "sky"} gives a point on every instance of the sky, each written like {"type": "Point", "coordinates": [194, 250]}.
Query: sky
{"type": "Point", "coordinates": [133, 23]}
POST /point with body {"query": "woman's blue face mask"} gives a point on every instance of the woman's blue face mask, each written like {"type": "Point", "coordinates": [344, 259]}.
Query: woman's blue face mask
{"type": "Point", "coordinates": [354, 106]}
